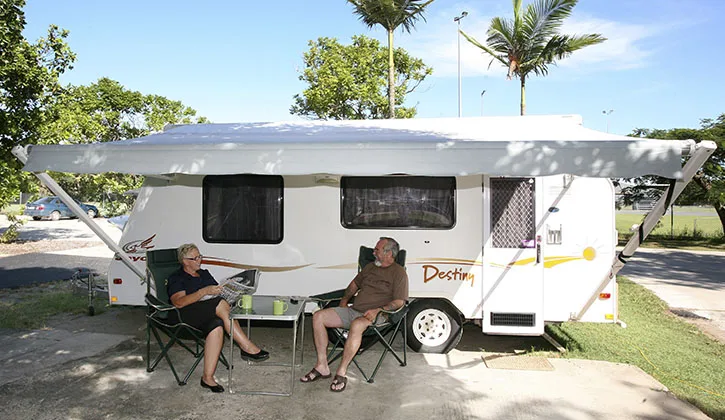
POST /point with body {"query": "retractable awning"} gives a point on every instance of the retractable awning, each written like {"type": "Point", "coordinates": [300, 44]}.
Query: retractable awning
{"type": "Point", "coordinates": [499, 146]}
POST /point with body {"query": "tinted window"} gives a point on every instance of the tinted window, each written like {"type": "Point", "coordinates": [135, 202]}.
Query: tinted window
{"type": "Point", "coordinates": [243, 208]}
{"type": "Point", "coordinates": [398, 202]}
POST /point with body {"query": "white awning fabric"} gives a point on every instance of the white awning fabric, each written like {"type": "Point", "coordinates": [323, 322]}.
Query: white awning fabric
{"type": "Point", "coordinates": [498, 146]}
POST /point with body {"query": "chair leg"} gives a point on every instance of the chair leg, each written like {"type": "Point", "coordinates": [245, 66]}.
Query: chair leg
{"type": "Point", "coordinates": [148, 347]}
{"type": "Point", "coordinates": [388, 344]}
{"type": "Point", "coordinates": [339, 342]}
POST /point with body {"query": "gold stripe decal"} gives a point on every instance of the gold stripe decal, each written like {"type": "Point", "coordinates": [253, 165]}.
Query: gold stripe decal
{"type": "Point", "coordinates": [589, 254]}
{"type": "Point", "coordinates": [220, 262]}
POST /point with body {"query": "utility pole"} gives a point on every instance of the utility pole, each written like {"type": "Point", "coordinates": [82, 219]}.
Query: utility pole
{"type": "Point", "coordinates": [607, 114]}
{"type": "Point", "coordinates": [457, 19]}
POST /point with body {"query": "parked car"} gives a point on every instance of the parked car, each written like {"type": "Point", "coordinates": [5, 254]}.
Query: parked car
{"type": "Point", "coordinates": [644, 204]}
{"type": "Point", "coordinates": [53, 208]}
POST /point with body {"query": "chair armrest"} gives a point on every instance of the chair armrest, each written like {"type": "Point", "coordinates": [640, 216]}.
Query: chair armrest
{"type": "Point", "coordinates": [393, 316]}
{"type": "Point", "coordinates": [159, 310]}
{"type": "Point", "coordinates": [329, 299]}
{"type": "Point", "coordinates": [326, 297]}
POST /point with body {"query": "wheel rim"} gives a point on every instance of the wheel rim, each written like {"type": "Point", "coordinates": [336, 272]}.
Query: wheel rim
{"type": "Point", "coordinates": [91, 214]}
{"type": "Point", "coordinates": [55, 215]}
{"type": "Point", "coordinates": [432, 327]}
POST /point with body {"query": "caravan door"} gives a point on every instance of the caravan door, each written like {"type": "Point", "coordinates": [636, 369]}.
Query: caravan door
{"type": "Point", "coordinates": [513, 269]}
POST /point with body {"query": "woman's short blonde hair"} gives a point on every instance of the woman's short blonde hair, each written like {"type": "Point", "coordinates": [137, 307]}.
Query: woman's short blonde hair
{"type": "Point", "coordinates": [184, 250]}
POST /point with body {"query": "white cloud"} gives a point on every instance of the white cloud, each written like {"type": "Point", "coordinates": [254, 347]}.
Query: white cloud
{"type": "Point", "coordinates": [435, 41]}
{"type": "Point", "coordinates": [622, 50]}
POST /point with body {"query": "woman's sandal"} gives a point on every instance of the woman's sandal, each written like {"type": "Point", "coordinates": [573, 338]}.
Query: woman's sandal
{"type": "Point", "coordinates": [313, 375]}
{"type": "Point", "coordinates": [337, 381]}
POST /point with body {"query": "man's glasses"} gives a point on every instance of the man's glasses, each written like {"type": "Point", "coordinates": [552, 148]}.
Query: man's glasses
{"type": "Point", "coordinates": [197, 258]}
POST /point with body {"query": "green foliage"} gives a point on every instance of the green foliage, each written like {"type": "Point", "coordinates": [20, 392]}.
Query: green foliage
{"type": "Point", "coordinates": [11, 233]}
{"type": "Point", "coordinates": [391, 14]}
{"type": "Point", "coordinates": [28, 82]}
{"type": "Point", "coordinates": [708, 185]}
{"type": "Point", "coordinates": [349, 81]}
{"type": "Point", "coordinates": [531, 41]}
{"type": "Point", "coordinates": [101, 112]}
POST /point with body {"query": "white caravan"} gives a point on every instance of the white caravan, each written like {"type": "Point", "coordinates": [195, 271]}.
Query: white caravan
{"type": "Point", "coordinates": [507, 220]}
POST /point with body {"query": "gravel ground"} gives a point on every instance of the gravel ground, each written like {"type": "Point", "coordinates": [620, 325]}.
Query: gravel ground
{"type": "Point", "coordinates": [45, 245]}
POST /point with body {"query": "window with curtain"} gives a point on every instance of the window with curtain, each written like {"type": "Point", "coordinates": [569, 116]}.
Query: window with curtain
{"type": "Point", "coordinates": [400, 202]}
{"type": "Point", "coordinates": [243, 209]}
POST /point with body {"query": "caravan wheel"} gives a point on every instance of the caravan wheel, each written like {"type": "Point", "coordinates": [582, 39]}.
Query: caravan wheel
{"type": "Point", "coordinates": [434, 326]}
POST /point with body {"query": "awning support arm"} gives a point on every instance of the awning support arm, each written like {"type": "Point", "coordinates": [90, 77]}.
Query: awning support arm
{"type": "Point", "coordinates": [53, 186]}
{"type": "Point", "coordinates": [703, 150]}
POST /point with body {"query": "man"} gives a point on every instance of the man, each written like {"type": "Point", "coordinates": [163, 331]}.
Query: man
{"type": "Point", "coordinates": [382, 285]}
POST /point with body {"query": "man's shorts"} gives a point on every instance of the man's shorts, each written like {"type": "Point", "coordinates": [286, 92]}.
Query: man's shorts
{"type": "Point", "coordinates": [347, 315]}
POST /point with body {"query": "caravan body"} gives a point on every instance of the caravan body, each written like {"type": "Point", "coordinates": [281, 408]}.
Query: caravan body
{"type": "Point", "coordinates": [513, 252]}
{"type": "Point", "coordinates": [506, 220]}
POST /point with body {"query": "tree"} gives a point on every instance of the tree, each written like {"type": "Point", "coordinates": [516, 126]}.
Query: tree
{"type": "Point", "coordinates": [708, 185]}
{"type": "Point", "coordinates": [531, 41]}
{"type": "Point", "coordinates": [28, 81]}
{"type": "Point", "coordinates": [390, 14]}
{"type": "Point", "coordinates": [348, 82]}
{"type": "Point", "coordinates": [102, 112]}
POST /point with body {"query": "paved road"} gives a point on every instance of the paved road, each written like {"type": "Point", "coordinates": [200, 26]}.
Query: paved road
{"type": "Point", "coordinates": [25, 269]}
{"type": "Point", "coordinates": [689, 280]}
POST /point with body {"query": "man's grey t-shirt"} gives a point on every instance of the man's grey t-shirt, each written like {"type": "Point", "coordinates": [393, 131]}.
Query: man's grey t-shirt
{"type": "Point", "coordinates": [379, 286]}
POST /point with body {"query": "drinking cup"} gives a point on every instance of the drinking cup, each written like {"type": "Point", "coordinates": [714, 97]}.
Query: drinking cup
{"type": "Point", "coordinates": [246, 301]}
{"type": "Point", "coordinates": [279, 307]}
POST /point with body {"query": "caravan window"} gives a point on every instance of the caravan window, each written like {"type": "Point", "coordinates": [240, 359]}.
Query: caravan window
{"type": "Point", "coordinates": [243, 209]}
{"type": "Point", "coordinates": [512, 212]}
{"type": "Point", "coordinates": [398, 202]}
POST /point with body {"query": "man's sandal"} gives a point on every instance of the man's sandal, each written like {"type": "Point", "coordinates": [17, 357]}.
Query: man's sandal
{"type": "Point", "coordinates": [313, 375]}
{"type": "Point", "coordinates": [337, 381]}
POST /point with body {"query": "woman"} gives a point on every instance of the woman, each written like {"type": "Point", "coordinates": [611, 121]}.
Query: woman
{"type": "Point", "coordinates": [186, 289]}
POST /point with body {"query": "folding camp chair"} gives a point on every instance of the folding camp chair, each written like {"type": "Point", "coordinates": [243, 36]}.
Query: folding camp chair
{"type": "Point", "coordinates": [160, 264]}
{"type": "Point", "coordinates": [385, 333]}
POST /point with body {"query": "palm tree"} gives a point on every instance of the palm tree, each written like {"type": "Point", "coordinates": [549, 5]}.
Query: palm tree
{"type": "Point", "coordinates": [531, 41]}
{"type": "Point", "coordinates": [390, 14]}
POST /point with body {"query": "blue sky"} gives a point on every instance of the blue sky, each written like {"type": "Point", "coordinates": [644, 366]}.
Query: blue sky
{"type": "Point", "coordinates": [238, 61]}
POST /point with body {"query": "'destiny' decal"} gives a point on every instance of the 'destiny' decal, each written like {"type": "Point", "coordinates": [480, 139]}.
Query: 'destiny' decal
{"type": "Point", "coordinates": [222, 262]}
{"type": "Point", "coordinates": [438, 268]}
{"type": "Point", "coordinates": [589, 254]}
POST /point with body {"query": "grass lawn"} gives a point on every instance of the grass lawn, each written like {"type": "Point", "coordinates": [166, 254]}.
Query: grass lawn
{"type": "Point", "coordinates": [690, 232]}
{"type": "Point", "coordinates": [30, 307]}
{"type": "Point", "coordinates": [687, 362]}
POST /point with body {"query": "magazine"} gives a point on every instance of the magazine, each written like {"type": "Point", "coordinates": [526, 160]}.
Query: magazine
{"type": "Point", "coordinates": [243, 283]}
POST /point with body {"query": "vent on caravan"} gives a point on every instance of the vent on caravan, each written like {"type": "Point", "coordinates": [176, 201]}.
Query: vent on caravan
{"type": "Point", "coordinates": [513, 319]}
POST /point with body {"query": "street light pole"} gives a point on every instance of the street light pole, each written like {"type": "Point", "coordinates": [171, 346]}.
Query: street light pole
{"type": "Point", "coordinates": [607, 113]}
{"type": "Point", "coordinates": [482, 92]}
{"type": "Point", "coordinates": [457, 19]}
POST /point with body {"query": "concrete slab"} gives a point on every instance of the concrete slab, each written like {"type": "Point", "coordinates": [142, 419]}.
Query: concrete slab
{"type": "Point", "coordinates": [114, 384]}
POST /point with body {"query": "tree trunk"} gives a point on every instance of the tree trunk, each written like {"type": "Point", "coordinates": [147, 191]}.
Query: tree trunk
{"type": "Point", "coordinates": [523, 95]}
{"type": "Point", "coordinates": [391, 76]}
{"type": "Point", "coordinates": [703, 183]}
{"type": "Point", "coordinates": [721, 214]}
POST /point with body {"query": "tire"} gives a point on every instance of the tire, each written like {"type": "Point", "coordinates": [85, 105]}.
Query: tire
{"type": "Point", "coordinates": [434, 326]}
{"type": "Point", "coordinates": [91, 213]}
{"type": "Point", "coordinates": [37, 217]}
{"type": "Point", "coordinates": [55, 216]}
